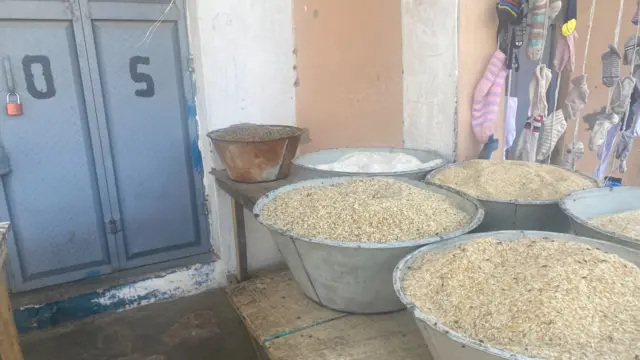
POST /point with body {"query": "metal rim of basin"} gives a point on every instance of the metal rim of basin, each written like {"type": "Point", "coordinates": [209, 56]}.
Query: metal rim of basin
{"type": "Point", "coordinates": [299, 158]}
{"type": "Point", "coordinates": [573, 197]}
{"type": "Point", "coordinates": [402, 267]}
{"type": "Point", "coordinates": [517, 202]}
{"type": "Point", "coordinates": [213, 134]}
{"type": "Point", "coordinates": [475, 221]}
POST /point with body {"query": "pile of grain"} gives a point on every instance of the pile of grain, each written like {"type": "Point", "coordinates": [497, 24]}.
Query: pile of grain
{"type": "Point", "coordinates": [253, 132]}
{"type": "Point", "coordinates": [512, 180]}
{"type": "Point", "coordinates": [364, 210]}
{"type": "Point", "coordinates": [542, 298]}
{"type": "Point", "coordinates": [625, 223]}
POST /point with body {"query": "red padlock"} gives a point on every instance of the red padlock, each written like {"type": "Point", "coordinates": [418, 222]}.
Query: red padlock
{"type": "Point", "coordinates": [14, 107]}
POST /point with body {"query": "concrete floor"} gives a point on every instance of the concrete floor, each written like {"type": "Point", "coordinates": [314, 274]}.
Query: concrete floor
{"type": "Point", "coordinates": [199, 327]}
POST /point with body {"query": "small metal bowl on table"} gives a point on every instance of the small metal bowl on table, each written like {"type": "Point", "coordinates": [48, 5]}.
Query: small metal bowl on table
{"type": "Point", "coordinates": [257, 153]}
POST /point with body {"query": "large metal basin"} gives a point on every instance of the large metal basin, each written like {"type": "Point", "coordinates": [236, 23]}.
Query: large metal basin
{"type": "Point", "coordinates": [584, 205]}
{"type": "Point", "coordinates": [349, 276]}
{"type": "Point", "coordinates": [306, 162]}
{"type": "Point", "coordinates": [521, 215]}
{"type": "Point", "coordinates": [446, 344]}
{"type": "Point", "coordinates": [257, 161]}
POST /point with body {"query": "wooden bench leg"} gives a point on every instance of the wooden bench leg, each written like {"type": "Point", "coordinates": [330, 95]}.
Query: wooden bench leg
{"type": "Point", "coordinates": [241, 241]}
{"type": "Point", "coordinates": [9, 342]}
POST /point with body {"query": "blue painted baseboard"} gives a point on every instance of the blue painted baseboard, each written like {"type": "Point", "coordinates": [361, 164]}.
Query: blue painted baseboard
{"type": "Point", "coordinates": [171, 285]}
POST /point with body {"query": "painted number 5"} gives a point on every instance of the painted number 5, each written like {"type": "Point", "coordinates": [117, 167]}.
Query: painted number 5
{"type": "Point", "coordinates": [140, 77]}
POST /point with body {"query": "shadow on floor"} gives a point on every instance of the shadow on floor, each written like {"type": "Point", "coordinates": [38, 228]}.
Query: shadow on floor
{"type": "Point", "coordinates": [199, 327]}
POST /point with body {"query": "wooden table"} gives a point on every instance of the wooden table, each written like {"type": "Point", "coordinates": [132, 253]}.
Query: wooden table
{"type": "Point", "coordinates": [286, 325]}
{"type": "Point", "coordinates": [245, 196]}
{"type": "Point", "coordinates": [9, 342]}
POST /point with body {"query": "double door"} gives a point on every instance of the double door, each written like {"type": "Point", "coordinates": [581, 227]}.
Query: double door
{"type": "Point", "coordinates": [104, 171]}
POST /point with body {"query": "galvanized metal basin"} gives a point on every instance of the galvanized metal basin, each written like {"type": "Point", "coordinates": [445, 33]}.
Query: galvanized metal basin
{"type": "Point", "coordinates": [500, 215]}
{"type": "Point", "coordinates": [349, 276]}
{"type": "Point", "coordinates": [257, 161]}
{"type": "Point", "coordinates": [584, 205]}
{"type": "Point", "coordinates": [306, 162]}
{"type": "Point", "coordinates": [446, 344]}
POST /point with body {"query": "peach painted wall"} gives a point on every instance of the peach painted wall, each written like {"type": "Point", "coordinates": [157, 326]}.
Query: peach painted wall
{"type": "Point", "coordinates": [348, 57]}
{"type": "Point", "coordinates": [477, 42]}
{"type": "Point", "coordinates": [605, 20]}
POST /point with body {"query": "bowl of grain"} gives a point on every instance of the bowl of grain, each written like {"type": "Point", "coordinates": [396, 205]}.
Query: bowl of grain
{"type": "Point", "coordinates": [342, 237]}
{"type": "Point", "coordinates": [611, 214]}
{"type": "Point", "coordinates": [412, 164]}
{"type": "Point", "coordinates": [516, 195]}
{"type": "Point", "coordinates": [524, 295]}
{"type": "Point", "coordinates": [254, 153]}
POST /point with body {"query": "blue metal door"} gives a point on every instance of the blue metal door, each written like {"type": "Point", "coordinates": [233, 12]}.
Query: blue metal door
{"type": "Point", "coordinates": [145, 88]}
{"type": "Point", "coordinates": [102, 170]}
{"type": "Point", "coordinates": [55, 194]}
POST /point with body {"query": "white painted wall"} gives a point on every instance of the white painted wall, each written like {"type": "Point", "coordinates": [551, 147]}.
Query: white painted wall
{"type": "Point", "coordinates": [243, 57]}
{"type": "Point", "coordinates": [430, 64]}
{"type": "Point", "coordinates": [244, 73]}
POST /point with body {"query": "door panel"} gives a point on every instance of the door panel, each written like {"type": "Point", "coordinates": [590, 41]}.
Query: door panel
{"type": "Point", "coordinates": [142, 84]}
{"type": "Point", "coordinates": [52, 196]}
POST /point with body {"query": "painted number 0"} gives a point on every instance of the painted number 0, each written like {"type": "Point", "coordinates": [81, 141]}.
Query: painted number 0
{"type": "Point", "coordinates": [27, 68]}
{"type": "Point", "coordinates": [140, 77]}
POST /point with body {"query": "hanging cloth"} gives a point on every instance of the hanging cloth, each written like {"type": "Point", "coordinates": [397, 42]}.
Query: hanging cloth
{"type": "Point", "coordinates": [489, 148]}
{"type": "Point", "coordinates": [605, 152]}
{"type": "Point", "coordinates": [487, 96]}
{"type": "Point", "coordinates": [511, 112]}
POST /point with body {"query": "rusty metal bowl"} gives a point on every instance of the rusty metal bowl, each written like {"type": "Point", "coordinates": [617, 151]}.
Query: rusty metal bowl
{"type": "Point", "coordinates": [256, 153]}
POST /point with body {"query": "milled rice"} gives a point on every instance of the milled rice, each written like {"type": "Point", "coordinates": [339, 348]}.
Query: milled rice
{"type": "Point", "coordinates": [365, 210]}
{"type": "Point", "coordinates": [626, 223]}
{"type": "Point", "coordinates": [542, 298]}
{"type": "Point", "coordinates": [512, 180]}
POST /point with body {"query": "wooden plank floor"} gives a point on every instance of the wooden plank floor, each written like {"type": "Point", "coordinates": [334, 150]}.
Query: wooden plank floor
{"type": "Point", "coordinates": [289, 326]}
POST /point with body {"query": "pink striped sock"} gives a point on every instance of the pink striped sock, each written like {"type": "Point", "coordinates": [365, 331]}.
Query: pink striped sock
{"type": "Point", "coordinates": [486, 98]}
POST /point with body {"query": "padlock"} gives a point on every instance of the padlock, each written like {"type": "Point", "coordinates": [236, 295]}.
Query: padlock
{"type": "Point", "coordinates": [14, 107]}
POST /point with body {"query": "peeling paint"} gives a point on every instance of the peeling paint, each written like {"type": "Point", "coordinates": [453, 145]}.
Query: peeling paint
{"type": "Point", "coordinates": [167, 286]}
{"type": "Point", "coordinates": [184, 282]}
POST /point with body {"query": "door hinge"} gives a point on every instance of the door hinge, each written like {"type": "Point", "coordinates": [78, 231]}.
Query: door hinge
{"type": "Point", "coordinates": [205, 207]}
{"type": "Point", "coordinates": [113, 227]}
{"type": "Point", "coordinates": [190, 64]}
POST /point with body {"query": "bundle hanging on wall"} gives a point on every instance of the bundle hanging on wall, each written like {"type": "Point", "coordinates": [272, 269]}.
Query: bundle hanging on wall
{"type": "Point", "coordinates": [619, 102]}
{"type": "Point", "coordinates": [577, 99]}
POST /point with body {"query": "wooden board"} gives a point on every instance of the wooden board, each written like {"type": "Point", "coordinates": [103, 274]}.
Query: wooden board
{"type": "Point", "coordinates": [247, 194]}
{"type": "Point", "coordinates": [271, 305]}
{"type": "Point", "coordinates": [9, 343]}
{"type": "Point", "coordinates": [291, 327]}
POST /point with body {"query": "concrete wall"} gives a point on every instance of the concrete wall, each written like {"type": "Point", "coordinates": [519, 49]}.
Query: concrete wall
{"type": "Point", "coordinates": [349, 67]}
{"type": "Point", "coordinates": [430, 63]}
{"type": "Point", "coordinates": [333, 66]}
{"type": "Point", "coordinates": [244, 73]}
